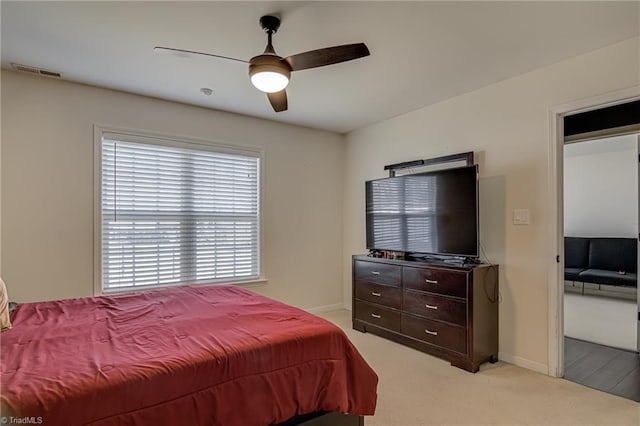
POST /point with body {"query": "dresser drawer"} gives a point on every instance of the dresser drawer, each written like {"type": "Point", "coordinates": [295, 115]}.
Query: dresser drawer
{"type": "Point", "coordinates": [447, 336]}
{"type": "Point", "coordinates": [381, 294]}
{"type": "Point", "coordinates": [450, 283]}
{"type": "Point", "coordinates": [377, 315]}
{"type": "Point", "coordinates": [435, 307]}
{"type": "Point", "coordinates": [379, 273]}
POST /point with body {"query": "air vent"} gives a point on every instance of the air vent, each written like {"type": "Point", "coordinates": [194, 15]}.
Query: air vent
{"type": "Point", "coordinates": [34, 70]}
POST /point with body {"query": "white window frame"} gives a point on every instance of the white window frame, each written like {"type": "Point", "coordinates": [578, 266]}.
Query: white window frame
{"type": "Point", "coordinates": [143, 136]}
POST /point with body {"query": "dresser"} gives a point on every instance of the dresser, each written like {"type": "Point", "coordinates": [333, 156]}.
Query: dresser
{"type": "Point", "coordinates": [444, 310]}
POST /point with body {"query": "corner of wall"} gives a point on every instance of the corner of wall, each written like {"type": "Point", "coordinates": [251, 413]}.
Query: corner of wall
{"type": "Point", "coordinates": [538, 367]}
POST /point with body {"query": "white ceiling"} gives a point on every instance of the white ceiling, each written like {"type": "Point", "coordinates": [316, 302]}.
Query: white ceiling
{"type": "Point", "coordinates": [421, 52]}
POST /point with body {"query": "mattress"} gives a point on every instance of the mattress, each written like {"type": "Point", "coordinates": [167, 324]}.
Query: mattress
{"type": "Point", "coordinates": [197, 355]}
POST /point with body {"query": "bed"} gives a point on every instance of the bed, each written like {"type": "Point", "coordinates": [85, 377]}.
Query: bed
{"type": "Point", "coordinates": [197, 355]}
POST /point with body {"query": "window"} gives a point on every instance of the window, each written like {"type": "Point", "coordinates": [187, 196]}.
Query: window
{"type": "Point", "coordinates": [177, 213]}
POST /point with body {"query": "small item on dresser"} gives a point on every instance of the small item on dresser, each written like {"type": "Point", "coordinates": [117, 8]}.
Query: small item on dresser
{"type": "Point", "coordinates": [397, 255]}
{"type": "Point", "coordinates": [375, 253]}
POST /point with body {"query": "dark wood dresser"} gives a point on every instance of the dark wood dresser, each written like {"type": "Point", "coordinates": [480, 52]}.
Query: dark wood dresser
{"type": "Point", "coordinates": [447, 311]}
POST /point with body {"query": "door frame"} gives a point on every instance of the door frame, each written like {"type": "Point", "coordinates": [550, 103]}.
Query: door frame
{"type": "Point", "coordinates": [555, 258]}
{"type": "Point", "coordinates": [638, 245]}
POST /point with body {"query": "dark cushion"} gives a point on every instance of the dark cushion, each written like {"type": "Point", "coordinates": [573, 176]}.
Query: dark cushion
{"type": "Point", "coordinates": [576, 252]}
{"type": "Point", "coordinates": [600, 276]}
{"type": "Point", "coordinates": [571, 274]}
{"type": "Point", "coordinates": [614, 254]}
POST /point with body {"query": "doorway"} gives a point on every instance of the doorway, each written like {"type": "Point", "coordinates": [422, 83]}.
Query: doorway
{"type": "Point", "coordinates": [601, 212]}
{"type": "Point", "coordinates": [557, 240]}
{"type": "Point", "coordinates": [601, 262]}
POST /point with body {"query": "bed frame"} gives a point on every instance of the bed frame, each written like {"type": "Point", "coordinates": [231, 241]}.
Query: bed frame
{"type": "Point", "coordinates": [325, 418]}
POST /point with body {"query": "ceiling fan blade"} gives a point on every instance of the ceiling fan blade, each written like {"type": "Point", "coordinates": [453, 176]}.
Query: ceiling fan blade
{"type": "Point", "coordinates": [188, 53]}
{"type": "Point", "coordinates": [327, 56]}
{"type": "Point", "coordinates": [278, 100]}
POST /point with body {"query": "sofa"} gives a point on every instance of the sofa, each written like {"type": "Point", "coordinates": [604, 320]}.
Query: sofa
{"type": "Point", "coordinates": [598, 260]}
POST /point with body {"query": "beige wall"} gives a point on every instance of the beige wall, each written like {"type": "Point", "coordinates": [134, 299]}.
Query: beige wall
{"type": "Point", "coordinates": [47, 188]}
{"type": "Point", "coordinates": [507, 126]}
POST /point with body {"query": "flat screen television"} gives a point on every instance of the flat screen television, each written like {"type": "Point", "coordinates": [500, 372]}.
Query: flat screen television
{"type": "Point", "coordinates": [433, 213]}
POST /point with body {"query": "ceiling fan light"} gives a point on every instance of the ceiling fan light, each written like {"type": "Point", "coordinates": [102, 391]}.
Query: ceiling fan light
{"type": "Point", "coordinates": [269, 73]}
{"type": "Point", "coordinates": [269, 81]}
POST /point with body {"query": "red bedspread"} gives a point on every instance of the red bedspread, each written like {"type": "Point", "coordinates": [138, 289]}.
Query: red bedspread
{"type": "Point", "coordinates": [191, 355]}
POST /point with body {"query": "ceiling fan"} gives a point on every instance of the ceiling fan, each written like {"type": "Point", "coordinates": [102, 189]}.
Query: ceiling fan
{"type": "Point", "coordinates": [270, 73]}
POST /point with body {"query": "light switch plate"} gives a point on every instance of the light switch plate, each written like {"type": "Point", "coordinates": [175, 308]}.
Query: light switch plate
{"type": "Point", "coordinates": [521, 217]}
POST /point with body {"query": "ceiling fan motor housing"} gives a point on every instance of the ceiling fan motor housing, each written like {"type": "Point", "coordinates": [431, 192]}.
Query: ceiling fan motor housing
{"type": "Point", "coordinates": [270, 23]}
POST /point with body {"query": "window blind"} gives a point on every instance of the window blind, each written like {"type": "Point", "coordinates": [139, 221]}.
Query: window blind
{"type": "Point", "coordinates": [175, 215]}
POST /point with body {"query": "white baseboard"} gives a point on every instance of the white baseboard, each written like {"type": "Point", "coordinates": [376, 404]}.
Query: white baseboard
{"type": "Point", "coordinates": [347, 306]}
{"type": "Point", "coordinates": [325, 308]}
{"type": "Point", "coordinates": [524, 363]}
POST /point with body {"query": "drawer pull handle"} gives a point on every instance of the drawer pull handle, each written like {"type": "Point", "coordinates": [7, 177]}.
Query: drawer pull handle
{"type": "Point", "coordinates": [431, 281]}
{"type": "Point", "coordinates": [376, 316]}
{"type": "Point", "coordinates": [433, 333]}
{"type": "Point", "coordinates": [373, 293]}
{"type": "Point", "coordinates": [375, 272]}
{"type": "Point", "coordinates": [431, 306]}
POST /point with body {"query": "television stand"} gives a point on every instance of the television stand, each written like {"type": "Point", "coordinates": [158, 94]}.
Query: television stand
{"type": "Point", "coordinates": [446, 310]}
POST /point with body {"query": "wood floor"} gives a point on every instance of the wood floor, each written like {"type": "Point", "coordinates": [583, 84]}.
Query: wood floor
{"type": "Point", "coordinates": [611, 370]}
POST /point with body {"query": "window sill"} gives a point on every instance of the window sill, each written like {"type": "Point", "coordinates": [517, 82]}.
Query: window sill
{"type": "Point", "coordinates": [257, 282]}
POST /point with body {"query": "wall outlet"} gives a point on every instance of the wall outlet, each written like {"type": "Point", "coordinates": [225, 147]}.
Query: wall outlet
{"type": "Point", "coordinates": [521, 217]}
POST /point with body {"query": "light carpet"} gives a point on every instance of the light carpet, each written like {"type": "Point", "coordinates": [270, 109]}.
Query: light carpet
{"type": "Point", "coordinates": [603, 320]}
{"type": "Point", "coordinates": [417, 389]}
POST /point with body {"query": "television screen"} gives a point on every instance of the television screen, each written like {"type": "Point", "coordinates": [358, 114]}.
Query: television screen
{"type": "Point", "coordinates": [430, 213]}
